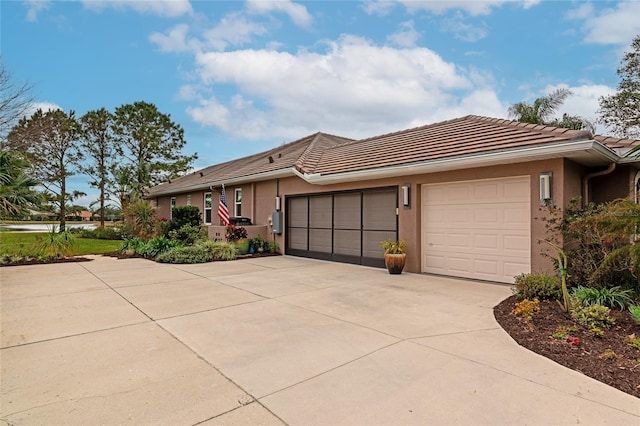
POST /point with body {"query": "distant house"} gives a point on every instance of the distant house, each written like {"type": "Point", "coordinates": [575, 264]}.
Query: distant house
{"type": "Point", "coordinates": [463, 193]}
{"type": "Point", "coordinates": [83, 215]}
{"type": "Point", "coordinates": [40, 215]}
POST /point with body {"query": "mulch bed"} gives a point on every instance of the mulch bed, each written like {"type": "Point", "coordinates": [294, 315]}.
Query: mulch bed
{"type": "Point", "coordinates": [621, 371]}
{"type": "Point", "coordinates": [8, 261]}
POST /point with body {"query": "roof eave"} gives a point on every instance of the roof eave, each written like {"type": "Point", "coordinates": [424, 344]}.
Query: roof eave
{"type": "Point", "coordinates": [588, 152]}
{"type": "Point", "coordinates": [258, 177]}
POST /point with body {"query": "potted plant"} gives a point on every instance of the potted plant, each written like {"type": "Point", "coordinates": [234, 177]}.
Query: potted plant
{"type": "Point", "coordinates": [273, 246]}
{"type": "Point", "coordinates": [257, 244]}
{"type": "Point", "coordinates": [238, 236]}
{"type": "Point", "coordinates": [394, 255]}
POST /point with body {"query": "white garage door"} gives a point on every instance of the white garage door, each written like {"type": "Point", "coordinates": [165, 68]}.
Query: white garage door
{"type": "Point", "coordinates": [477, 229]}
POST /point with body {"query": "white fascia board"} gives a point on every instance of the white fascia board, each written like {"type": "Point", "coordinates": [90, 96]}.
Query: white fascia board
{"type": "Point", "coordinates": [281, 173]}
{"type": "Point", "coordinates": [475, 160]}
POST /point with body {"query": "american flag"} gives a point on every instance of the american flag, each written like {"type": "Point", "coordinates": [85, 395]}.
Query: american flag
{"type": "Point", "coordinates": [223, 211]}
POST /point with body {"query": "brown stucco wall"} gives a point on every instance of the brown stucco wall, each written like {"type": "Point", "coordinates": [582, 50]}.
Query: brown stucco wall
{"type": "Point", "coordinates": [618, 184]}
{"type": "Point", "coordinates": [259, 199]}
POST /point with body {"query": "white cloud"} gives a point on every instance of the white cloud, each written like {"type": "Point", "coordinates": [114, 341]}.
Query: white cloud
{"type": "Point", "coordinates": [355, 89]}
{"type": "Point", "coordinates": [462, 30]}
{"type": "Point", "coordinates": [472, 7]}
{"type": "Point", "coordinates": [616, 25]}
{"type": "Point", "coordinates": [297, 12]}
{"type": "Point", "coordinates": [168, 8]}
{"type": "Point", "coordinates": [175, 40]}
{"type": "Point", "coordinates": [583, 102]}
{"type": "Point", "coordinates": [187, 92]}
{"type": "Point", "coordinates": [34, 7]}
{"type": "Point", "coordinates": [584, 11]}
{"type": "Point", "coordinates": [407, 36]}
{"type": "Point", "coordinates": [233, 29]}
{"type": "Point", "coordinates": [44, 106]}
{"type": "Point", "coordinates": [378, 7]}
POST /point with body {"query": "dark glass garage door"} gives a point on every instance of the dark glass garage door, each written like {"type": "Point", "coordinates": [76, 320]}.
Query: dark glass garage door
{"type": "Point", "coordinates": [342, 226]}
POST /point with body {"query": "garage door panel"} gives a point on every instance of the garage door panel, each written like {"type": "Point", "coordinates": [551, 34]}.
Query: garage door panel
{"type": "Point", "coordinates": [320, 240]}
{"type": "Point", "coordinates": [486, 216]}
{"type": "Point", "coordinates": [342, 226]}
{"type": "Point", "coordinates": [485, 191]}
{"type": "Point", "coordinates": [486, 241]}
{"type": "Point", "coordinates": [517, 190]}
{"type": "Point", "coordinates": [371, 242]}
{"type": "Point", "coordinates": [298, 239]}
{"type": "Point", "coordinates": [347, 242]}
{"type": "Point", "coordinates": [517, 243]}
{"type": "Point", "coordinates": [458, 241]}
{"type": "Point", "coordinates": [486, 267]}
{"type": "Point", "coordinates": [461, 265]}
{"type": "Point", "coordinates": [486, 236]}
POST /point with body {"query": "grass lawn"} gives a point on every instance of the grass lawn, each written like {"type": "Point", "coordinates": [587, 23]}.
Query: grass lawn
{"type": "Point", "coordinates": [26, 244]}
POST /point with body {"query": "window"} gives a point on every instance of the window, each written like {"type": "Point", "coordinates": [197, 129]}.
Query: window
{"type": "Point", "coordinates": [237, 207]}
{"type": "Point", "coordinates": [173, 206]}
{"type": "Point", "coordinates": [188, 199]}
{"type": "Point", "coordinates": [207, 208]}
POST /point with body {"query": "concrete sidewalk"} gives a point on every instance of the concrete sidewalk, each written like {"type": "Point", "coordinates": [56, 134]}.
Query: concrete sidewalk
{"type": "Point", "coordinates": [275, 340]}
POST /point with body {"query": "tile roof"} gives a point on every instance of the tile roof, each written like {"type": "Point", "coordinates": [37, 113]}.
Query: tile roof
{"type": "Point", "coordinates": [301, 153]}
{"type": "Point", "coordinates": [462, 136]}
{"type": "Point", "coordinates": [323, 154]}
{"type": "Point", "coordinates": [617, 143]}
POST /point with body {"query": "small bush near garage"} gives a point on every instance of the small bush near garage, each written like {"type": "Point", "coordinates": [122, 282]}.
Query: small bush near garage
{"type": "Point", "coordinates": [537, 286]}
{"type": "Point", "coordinates": [181, 216]}
{"type": "Point", "coordinates": [597, 242]}
{"type": "Point", "coordinates": [200, 253]}
{"type": "Point", "coordinates": [102, 233]}
{"type": "Point", "coordinates": [188, 254]}
{"type": "Point", "coordinates": [188, 234]}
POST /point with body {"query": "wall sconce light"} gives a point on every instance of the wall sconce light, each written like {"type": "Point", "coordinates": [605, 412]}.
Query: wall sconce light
{"type": "Point", "coordinates": [406, 195]}
{"type": "Point", "coordinates": [545, 187]}
{"type": "Point", "coordinates": [277, 204]}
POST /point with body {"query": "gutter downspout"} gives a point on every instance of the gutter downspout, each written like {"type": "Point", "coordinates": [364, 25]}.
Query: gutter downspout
{"type": "Point", "coordinates": [586, 178]}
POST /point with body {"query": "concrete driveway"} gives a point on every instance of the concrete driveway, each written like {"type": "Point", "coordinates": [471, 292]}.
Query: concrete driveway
{"type": "Point", "coordinates": [275, 340]}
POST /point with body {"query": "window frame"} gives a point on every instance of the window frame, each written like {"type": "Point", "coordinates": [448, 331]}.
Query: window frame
{"type": "Point", "coordinates": [237, 205]}
{"type": "Point", "coordinates": [172, 205]}
{"type": "Point", "coordinates": [205, 208]}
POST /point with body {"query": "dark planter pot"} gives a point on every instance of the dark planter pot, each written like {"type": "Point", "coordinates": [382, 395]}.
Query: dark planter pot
{"type": "Point", "coordinates": [395, 262]}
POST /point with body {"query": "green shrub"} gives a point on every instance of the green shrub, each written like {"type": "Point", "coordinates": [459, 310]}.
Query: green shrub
{"type": "Point", "coordinates": [537, 285]}
{"type": "Point", "coordinates": [187, 254]}
{"type": "Point", "coordinates": [635, 312]}
{"type": "Point", "coordinates": [57, 244]}
{"type": "Point", "coordinates": [102, 233]}
{"type": "Point", "coordinates": [181, 216]}
{"type": "Point", "coordinates": [592, 316]}
{"type": "Point", "coordinates": [596, 237]}
{"type": "Point", "coordinates": [142, 216]}
{"type": "Point", "coordinates": [223, 250]}
{"type": "Point", "coordinates": [188, 234]}
{"type": "Point", "coordinates": [614, 297]}
{"type": "Point", "coordinates": [131, 244]}
{"type": "Point", "coordinates": [156, 246]}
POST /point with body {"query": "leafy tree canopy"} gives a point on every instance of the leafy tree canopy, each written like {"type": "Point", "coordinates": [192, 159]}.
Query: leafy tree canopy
{"type": "Point", "coordinates": [151, 142]}
{"type": "Point", "coordinates": [620, 112]}
{"type": "Point", "coordinates": [543, 110]}
{"type": "Point", "coordinates": [49, 140]}
{"type": "Point", "coordinates": [17, 194]}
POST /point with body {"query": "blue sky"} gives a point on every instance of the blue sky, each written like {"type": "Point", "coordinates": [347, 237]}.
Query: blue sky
{"type": "Point", "coordinates": [244, 76]}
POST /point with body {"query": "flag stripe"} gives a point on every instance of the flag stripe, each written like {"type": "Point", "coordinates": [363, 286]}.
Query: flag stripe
{"type": "Point", "coordinates": [223, 211]}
